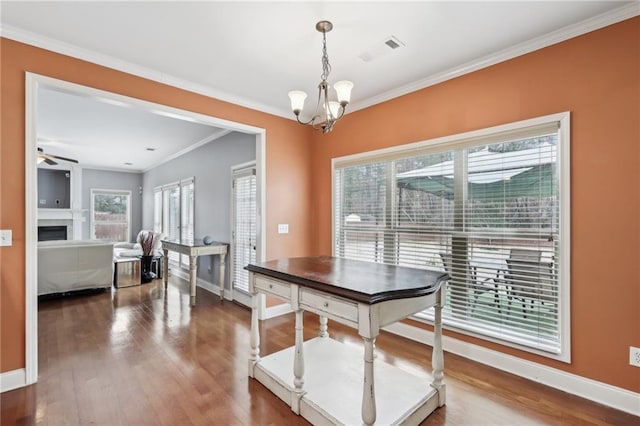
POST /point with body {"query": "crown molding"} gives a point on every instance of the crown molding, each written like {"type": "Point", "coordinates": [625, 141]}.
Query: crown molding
{"type": "Point", "coordinates": [108, 61]}
{"type": "Point", "coordinates": [594, 23]}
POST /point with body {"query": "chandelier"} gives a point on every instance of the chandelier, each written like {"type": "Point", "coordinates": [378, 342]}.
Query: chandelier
{"type": "Point", "coordinates": [327, 112]}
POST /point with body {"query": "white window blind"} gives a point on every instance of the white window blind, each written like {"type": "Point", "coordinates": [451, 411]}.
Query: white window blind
{"type": "Point", "coordinates": [244, 231]}
{"type": "Point", "coordinates": [485, 210]}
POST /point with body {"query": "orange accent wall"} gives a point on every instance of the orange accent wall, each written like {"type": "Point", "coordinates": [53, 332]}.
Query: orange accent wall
{"type": "Point", "coordinates": [595, 76]}
{"type": "Point", "coordinates": [287, 168]}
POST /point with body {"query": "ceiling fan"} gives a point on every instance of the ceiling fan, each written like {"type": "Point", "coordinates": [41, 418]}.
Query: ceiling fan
{"type": "Point", "coordinates": [48, 158]}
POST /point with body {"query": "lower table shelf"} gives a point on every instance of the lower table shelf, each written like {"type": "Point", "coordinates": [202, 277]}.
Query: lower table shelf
{"type": "Point", "coordinates": [333, 381]}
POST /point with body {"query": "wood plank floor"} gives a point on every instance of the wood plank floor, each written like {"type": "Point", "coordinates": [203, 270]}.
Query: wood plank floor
{"type": "Point", "coordinates": [138, 356]}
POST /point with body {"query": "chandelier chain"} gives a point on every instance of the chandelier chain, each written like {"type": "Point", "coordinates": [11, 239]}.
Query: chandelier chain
{"type": "Point", "coordinates": [326, 67]}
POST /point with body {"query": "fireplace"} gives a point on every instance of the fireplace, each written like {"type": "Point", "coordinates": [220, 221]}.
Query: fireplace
{"type": "Point", "coordinates": [49, 233]}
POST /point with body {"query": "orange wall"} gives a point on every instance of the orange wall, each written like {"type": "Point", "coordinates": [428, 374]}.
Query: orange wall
{"type": "Point", "coordinates": [595, 76]}
{"type": "Point", "coordinates": [287, 170]}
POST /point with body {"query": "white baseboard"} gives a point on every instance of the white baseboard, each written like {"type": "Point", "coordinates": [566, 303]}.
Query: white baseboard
{"type": "Point", "coordinates": [593, 390]}
{"type": "Point", "coordinates": [13, 380]}
{"type": "Point", "coordinates": [206, 285]}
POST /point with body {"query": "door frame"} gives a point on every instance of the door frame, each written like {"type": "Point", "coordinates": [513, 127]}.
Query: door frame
{"type": "Point", "coordinates": [32, 84]}
{"type": "Point", "coordinates": [243, 299]}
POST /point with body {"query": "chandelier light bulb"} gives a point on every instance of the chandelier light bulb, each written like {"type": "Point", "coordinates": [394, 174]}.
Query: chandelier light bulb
{"type": "Point", "coordinates": [334, 109]}
{"type": "Point", "coordinates": [343, 90]}
{"type": "Point", "coordinates": [297, 100]}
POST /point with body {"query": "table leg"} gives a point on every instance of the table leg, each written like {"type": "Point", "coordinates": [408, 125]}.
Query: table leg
{"type": "Point", "coordinates": [298, 363]}
{"type": "Point", "coordinates": [368, 391]}
{"type": "Point", "coordinates": [223, 256]}
{"type": "Point", "coordinates": [437, 359]}
{"type": "Point", "coordinates": [323, 327]}
{"type": "Point", "coordinates": [254, 336]}
{"type": "Point", "coordinates": [193, 267]}
{"type": "Point", "coordinates": [165, 267]}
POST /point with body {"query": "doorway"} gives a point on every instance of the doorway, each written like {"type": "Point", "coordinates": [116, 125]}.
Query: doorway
{"type": "Point", "coordinates": [33, 83]}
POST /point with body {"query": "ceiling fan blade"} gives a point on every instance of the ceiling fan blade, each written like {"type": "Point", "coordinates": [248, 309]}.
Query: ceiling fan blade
{"type": "Point", "coordinates": [71, 160]}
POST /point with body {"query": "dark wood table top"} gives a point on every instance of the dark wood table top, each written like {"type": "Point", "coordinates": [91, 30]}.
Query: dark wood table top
{"type": "Point", "coordinates": [364, 282]}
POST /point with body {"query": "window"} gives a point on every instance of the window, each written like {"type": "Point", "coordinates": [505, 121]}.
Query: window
{"type": "Point", "coordinates": [244, 226]}
{"type": "Point", "coordinates": [110, 214]}
{"type": "Point", "coordinates": [174, 213]}
{"type": "Point", "coordinates": [484, 207]}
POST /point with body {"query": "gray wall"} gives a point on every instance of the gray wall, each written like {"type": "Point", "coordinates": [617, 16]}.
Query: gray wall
{"type": "Point", "coordinates": [211, 166]}
{"type": "Point", "coordinates": [54, 189]}
{"type": "Point", "coordinates": [101, 179]}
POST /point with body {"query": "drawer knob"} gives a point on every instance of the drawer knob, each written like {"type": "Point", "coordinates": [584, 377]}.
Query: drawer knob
{"type": "Point", "coordinates": [326, 304]}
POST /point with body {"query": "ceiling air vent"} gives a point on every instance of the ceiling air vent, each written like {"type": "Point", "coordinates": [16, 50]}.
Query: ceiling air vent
{"type": "Point", "coordinates": [383, 48]}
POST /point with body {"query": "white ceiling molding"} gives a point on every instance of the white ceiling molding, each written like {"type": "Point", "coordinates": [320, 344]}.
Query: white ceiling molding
{"type": "Point", "coordinates": [586, 26]}
{"type": "Point", "coordinates": [216, 135]}
{"type": "Point", "coordinates": [608, 18]}
{"type": "Point", "coordinates": [67, 49]}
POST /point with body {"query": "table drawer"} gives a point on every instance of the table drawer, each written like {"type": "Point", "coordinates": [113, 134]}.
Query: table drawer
{"type": "Point", "coordinates": [273, 287]}
{"type": "Point", "coordinates": [330, 305]}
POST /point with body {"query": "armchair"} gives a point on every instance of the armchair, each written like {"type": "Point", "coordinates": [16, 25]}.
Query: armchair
{"type": "Point", "coordinates": [125, 249]}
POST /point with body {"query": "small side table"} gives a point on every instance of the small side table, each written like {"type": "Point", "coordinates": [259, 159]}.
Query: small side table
{"type": "Point", "coordinates": [126, 272]}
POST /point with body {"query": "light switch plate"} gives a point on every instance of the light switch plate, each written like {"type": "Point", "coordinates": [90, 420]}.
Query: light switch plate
{"type": "Point", "coordinates": [6, 238]}
{"type": "Point", "coordinates": [283, 228]}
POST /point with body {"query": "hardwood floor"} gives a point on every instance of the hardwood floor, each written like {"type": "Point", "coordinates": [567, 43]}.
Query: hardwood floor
{"type": "Point", "coordinates": [136, 357]}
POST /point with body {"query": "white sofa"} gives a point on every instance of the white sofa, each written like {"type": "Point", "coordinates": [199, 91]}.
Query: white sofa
{"type": "Point", "coordinates": [71, 265]}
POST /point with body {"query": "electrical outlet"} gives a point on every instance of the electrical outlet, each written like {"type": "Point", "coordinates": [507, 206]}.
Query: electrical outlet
{"type": "Point", "coordinates": [634, 356]}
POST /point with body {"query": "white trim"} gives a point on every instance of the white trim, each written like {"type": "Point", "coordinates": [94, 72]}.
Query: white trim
{"type": "Point", "coordinates": [612, 396]}
{"type": "Point", "coordinates": [31, 230]}
{"type": "Point", "coordinates": [554, 37]}
{"type": "Point", "coordinates": [108, 61]}
{"type": "Point", "coordinates": [200, 282]}
{"type": "Point", "coordinates": [409, 148]}
{"type": "Point", "coordinates": [100, 191]}
{"type": "Point", "coordinates": [212, 137]}
{"type": "Point", "coordinates": [14, 379]}
{"type": "Point", "coordinates": [591, 24]}
{"type": "Point", "coordinates": [564, 181]}
{"type": "Point", "coordinates": [32, 83]}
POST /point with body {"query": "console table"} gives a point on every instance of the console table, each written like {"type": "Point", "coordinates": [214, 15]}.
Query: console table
{"type": "Point", "coordinates": [193, 249]}
{"type": "Point", "coordinates": [328, 382]}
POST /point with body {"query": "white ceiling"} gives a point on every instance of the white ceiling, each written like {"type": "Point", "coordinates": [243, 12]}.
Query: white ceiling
{"type": "Point", "coordinates": [253, 53]}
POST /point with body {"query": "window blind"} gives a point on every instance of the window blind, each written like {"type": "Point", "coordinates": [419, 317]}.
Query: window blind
{"type": "Point", "coordinates": [244, 231]}
{"type": "Point", "coordinates": [485, 210]}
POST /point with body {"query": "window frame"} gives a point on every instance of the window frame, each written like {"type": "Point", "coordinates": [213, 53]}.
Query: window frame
{"type": "Point", "coordinates": [492, 135]}
{"type": "Point", "coordinates": [98, 191]}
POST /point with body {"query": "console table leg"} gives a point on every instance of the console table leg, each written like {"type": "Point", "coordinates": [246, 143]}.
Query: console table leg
{"type": "Point", "coordinates": [254, 335]}
{"type": "Point", "coordinates": [323, 327]}
{"type": "Point", "coordinates": [193, 267]}
{"type": "Point", "coordinates": [437, 358]}
{"type": "Point", "coordinates": [165, 267]}
{"type": "Point", "coordinates": [368, 391]}
{"type": "Point", "coordinates": [223, 256]}
{"type": "Point", "coordinates": [298, 363]}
